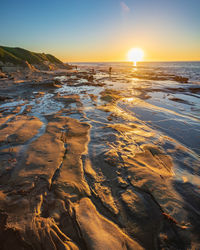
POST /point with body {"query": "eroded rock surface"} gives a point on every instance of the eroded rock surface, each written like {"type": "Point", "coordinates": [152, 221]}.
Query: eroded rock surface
{"type": "Point", "coordinates": [84, 166]}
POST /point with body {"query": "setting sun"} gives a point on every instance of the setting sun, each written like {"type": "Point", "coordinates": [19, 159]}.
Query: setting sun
{"type": "Point", "coordinates": [135, 55]}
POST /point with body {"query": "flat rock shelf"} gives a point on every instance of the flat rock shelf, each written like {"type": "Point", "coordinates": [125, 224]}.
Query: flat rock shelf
{"type": "Point", "coordinates": [96, 161]}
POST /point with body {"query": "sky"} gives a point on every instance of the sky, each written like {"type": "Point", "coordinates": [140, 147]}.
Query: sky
{"type": "Point", "coordinates": [103, 30]}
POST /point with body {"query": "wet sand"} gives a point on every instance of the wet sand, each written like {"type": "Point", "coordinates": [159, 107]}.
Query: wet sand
{"type": "Point", "coordinates": [92, 161]}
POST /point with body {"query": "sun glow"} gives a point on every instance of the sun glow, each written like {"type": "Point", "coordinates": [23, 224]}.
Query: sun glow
{"type": "Point", "coordinates": [135, 55]}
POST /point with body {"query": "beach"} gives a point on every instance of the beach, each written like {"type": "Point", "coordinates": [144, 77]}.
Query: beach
{"type": "Point", "coordinates": [92, 159]}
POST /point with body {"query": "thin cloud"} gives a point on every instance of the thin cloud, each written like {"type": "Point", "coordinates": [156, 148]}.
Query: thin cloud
{"type": "Point", "coordinates": [124, 7]}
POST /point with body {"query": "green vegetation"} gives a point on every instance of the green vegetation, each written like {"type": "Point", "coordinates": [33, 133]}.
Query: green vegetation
{"type": "Point", "coordinates": [18, 56]}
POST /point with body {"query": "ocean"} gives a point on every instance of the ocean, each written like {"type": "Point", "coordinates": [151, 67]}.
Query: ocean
{"type": "Point", "coordinates": [185, 69]}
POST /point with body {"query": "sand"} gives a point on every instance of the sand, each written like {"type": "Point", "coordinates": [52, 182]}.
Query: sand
{"type": "Point", "coordinates": [97, 163]}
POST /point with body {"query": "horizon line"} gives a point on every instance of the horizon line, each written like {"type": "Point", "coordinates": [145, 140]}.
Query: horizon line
{"type": "Point", "coordinates": [131, 62]}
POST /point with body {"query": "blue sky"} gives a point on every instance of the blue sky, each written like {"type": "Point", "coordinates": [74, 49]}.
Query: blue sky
{"type": "Point", "coordinates": [93, 30]}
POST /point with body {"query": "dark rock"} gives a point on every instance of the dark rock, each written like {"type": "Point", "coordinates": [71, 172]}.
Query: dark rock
{"type": "Point", "coordinates": [2, 75]}
{"type": "Point", "coordinates": [4, 98]}
{"type": "Point", "coordinates": [180, 79]}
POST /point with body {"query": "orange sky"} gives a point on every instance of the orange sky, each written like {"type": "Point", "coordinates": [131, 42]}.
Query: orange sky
{"type": "Point", "coordinates": [104, 30]}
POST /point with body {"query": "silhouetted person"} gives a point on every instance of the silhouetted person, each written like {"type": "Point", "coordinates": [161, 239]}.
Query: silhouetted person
{"type": "Point", "coordinates": [110, 70]}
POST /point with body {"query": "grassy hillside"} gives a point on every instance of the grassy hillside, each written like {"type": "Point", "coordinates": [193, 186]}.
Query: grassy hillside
{"type": "Point", "coordinates": [6, 56]}
{"type": "Point", "coordinates": [19, 56]}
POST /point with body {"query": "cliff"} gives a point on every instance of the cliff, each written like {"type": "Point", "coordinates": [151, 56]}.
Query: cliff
{"type": "Point", "coordinates": [20, 57]}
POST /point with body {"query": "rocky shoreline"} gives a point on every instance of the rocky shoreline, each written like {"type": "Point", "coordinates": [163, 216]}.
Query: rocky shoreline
{"type": "Point", "coordinates": [78, 172]}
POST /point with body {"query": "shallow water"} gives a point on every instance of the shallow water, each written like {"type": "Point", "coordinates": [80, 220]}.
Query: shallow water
{"type": "Point", "coordinates": [169, 108]}
{"type": "Point", "coordinates": [142, 146]}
